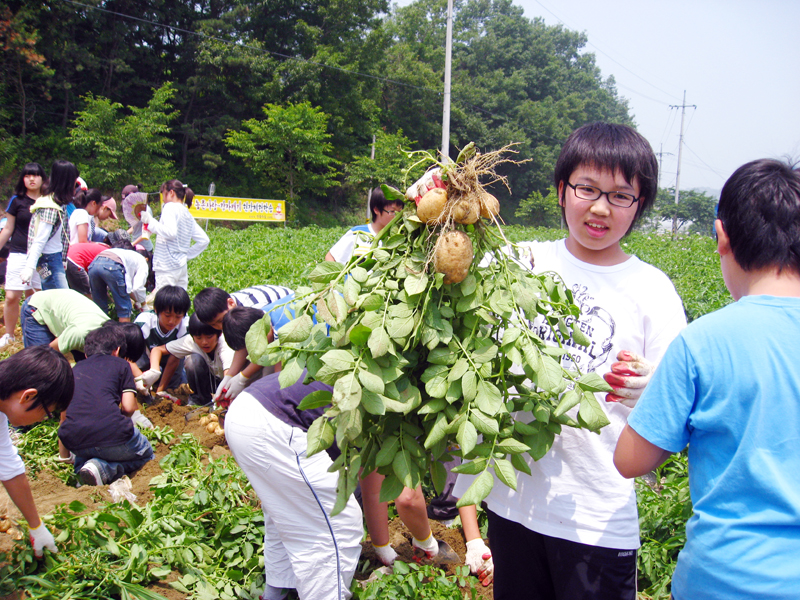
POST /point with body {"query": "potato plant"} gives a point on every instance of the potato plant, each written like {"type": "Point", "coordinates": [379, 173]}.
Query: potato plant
{"type": "Point", "coordinates": [420, 368]}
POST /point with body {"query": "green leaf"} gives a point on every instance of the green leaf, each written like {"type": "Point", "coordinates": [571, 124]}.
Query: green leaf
{"type": "Point", "coordinates": [351, 291]}
{"type": "Point", "coordinates": [472, 467]}
{"type": "Point", "coordinates": [415, 284]}
{"type": "Point", "coordinates": [568, 400]}
{"type": "Point", "coordinates": [405, 468]}
{"type": "Point", "coordinates": [379, 342]}
{"type": "Point", "coordinates": [320, 436]}
{"type": "Point", "coordinates": [489, 398]}
{"type": "Point", "coordinates": [438, 431]}
{"type": "Point", "coordinates": [520, 464]}
{"type": "Point", "coordinates": [434, 406]}
{"type": "Point", "coordinates": [592, 382]}
{"type": "Point", "coordinates": [458, 370]}
{"type": "Point", "coordinates": [438, 476]}
{"type": "Point", "coordinates": [372, 302]}
{"type": "Point", "coordinates": [469, 385]}
{"type": "Point", "coordinates": [371, 381]}
{"type": "Point", "coordinates": [387, 452]}
{"type": "Point", "coordinates": [485, 424]}
{"type": "Point", "coordinates": [467, 437]}
{"type": "Point", "coordinates": [347, 393]}
{"type": "Point", "coordinates": [485, 354]}
{"type": "Point", "coordinates": [391, 488]}
{"type": "Point", "coordinates": [477, 492]}
{"type": "Point", "coordinates": [291, 372]}
{"type": "Point", "coordinates": [359, 335]}
{"type": "Point", "coordinates": [392, 195]}
{"type": "Point", "coordinates": [580, 338]}
{"type": "Point", "coordinates": [339, 360]}
{"type": "Point", "coordinates": [372, 403]}
{"type": "Point", "coordinates": [316, 399]}
{"type": "Point", "coordinates": [549, 376]}
{"type": "Point", "coordinates": [442, 356]}
{"type": "Point", "coordinates": [591, 413]}
{"type": "Point", "coordinates": [505, 472]}
{"type": "Point", "coordinates": [512, 446]}
{"type": "Point", "coordinates": [435, 378]}
{"type": "Point", "coordinates": [325, 272]}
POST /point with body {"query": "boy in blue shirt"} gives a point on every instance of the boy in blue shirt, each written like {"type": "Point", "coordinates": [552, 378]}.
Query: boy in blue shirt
{"type": "Point", "coordinates": [726, 388]}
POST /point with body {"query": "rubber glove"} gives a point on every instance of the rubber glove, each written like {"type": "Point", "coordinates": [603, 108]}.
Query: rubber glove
{"type": "Point", "coordinates": [628, 376]}
{"type": "Point", "coordinates": [386, 554]}
{"type": "Point", "coordinates": [26, 275]}
{"type": "Point", "coordinates": [222, 389]}
{"type": "Point", "coordinates": [41, 538]}
{"type": "Point", "coordinates": [235, 386]}
{"type": "Point", "coordinates": [479, 561]}
{"type": "Point", "coordinates": [138, 418]}
{"type": "Point", "coordinates": [150, 376]}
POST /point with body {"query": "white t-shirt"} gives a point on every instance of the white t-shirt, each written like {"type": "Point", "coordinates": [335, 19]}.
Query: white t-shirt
{"type": "Point", "coordinates": [221, 361]}
{"type": "Point", "coordinates": [78, 217]}
{"type": "Point", "coordinates": [574, 492]}
{"type": "Point", "coordinates": [136, 271]}
{"type": "Point", "coordinates": [353, 243]}
{"type": "Point", "coordinates": [11, 464]}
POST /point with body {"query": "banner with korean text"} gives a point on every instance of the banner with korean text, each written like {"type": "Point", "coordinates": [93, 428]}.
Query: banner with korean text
{"type": "Point", "coordinates": [238, 209]}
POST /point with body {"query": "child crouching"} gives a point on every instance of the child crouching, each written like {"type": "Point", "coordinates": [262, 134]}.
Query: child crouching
{"type": "Point", "coordinates": [97, 427]}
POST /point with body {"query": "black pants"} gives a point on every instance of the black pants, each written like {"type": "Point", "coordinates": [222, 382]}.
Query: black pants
{"type": "Point", "coordinates": [532, 566]}
{"type": "Point", "coordinates": [200, 378]}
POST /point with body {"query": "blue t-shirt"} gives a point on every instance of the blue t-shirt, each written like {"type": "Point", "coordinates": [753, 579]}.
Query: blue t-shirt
{"type": "Point", "coordinates": [729, 387]}
{"type": "Point", "coordinates": [282, 311]}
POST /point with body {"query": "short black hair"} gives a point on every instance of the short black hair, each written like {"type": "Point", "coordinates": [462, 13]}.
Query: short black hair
{"type": "Point", "coordinates": [40, 368]}
{"type": "Point", "coordinates": [616, 148]}
{"type": "Point", "coordinates": [378, 201]}
{"type": "Point", "coordinates": [104, 340]}
{"type": "Point", "coordinates": [237, 323]}
{"type": "Point", "coordinates": [134, 340]}
{"type": "Point", "coordinates": [760, 211]}
{"type": "Point", "coordinates": [197, 327]}
{"type": "Point", "coordinates": [209, 302]}
{"type": "Point", "coordinates": [174, 298]}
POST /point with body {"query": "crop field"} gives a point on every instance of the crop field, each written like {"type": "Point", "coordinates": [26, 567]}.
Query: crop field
{"type": "Point", "coordinates": [195, 529]}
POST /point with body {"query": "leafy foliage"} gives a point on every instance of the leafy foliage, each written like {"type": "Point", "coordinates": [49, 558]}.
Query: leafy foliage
{"type": "Point", "coordinates": [540, 211]}
{"type": "Point", "coordinates": [418, 582]}
{"type": "Point", "coordinates": [116, 150]}
{"type": "Point", "coordinates": [695, 212]}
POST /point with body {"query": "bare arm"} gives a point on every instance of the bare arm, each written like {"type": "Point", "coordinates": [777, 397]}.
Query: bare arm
{"type": "Point", "coordinates": [329, 257]}
{"type": "Point", "coordinates": [155, 356]}
{"type": "Point", "coordinates": [469, 522]}
{"type": "Point", "coordinates": [83, 233]}
{"type": "Point", "coordinates": [169, 370]}
{"type": "Point", "coordinates": [128, 406]}
{"type": "Point", "coordinates": [19, 490]}
{"type": "Point", "coordinates": [5, 235]}
{"type": "Point", "coordinates": [635, 456]}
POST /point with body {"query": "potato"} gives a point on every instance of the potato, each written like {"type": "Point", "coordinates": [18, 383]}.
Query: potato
{"type": "Point", "coordinates": [431, 206]}
{"type": "Point", "coordinates": [490, 207]}
{"type": "Point", "coordinates": [5, 525]}
{"type": "Point", "coordinates": [213, 417]}
{"type": "Point", "coordinates": [219, 430]}
{"type": "Point", "coordinates": [453, 256]}
{"type": "Point", "coordinates": [466, 211]}
{"type": "Point", "coordinates": [204, 420]}
{"type": "Point", "coordinates": [211, 427]}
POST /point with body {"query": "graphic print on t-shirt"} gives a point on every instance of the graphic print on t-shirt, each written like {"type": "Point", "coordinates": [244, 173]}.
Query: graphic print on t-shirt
{"type": "Point", "coordinates": [595, 322]}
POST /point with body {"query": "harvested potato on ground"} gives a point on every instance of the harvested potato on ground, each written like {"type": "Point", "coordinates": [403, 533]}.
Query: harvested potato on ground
{"type": "Point", "coordinates": [211, 427]}
{"type": "Point", "coordinates": [466, 211]}
{"type": "Point", "coordinates": [204, 420]}
{"type": "Point", "coordinates": [219, 430]}
{"type": "Point", "coordinates": [490, 206]}
{"type": "Point", "coordinates": [453, 256]}
{"type": "Point", "coordinates": [213, 417]}
{"type": "Point", "coordinates": [5, 525]}
{"type": "Point", "coordinates": [431, 206]}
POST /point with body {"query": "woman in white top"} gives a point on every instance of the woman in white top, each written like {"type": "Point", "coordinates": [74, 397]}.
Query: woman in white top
{"type": "Point", "coordinates": [175, 232]}
{"type": "Point", "coordinates": [81, 221]}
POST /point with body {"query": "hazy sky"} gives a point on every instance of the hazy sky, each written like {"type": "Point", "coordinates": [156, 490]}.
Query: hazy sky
{"type": "Point", "coordinates": [738, 60]}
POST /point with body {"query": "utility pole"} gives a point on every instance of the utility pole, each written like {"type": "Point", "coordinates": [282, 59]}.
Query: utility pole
{"type": "Point", "coordinates": [447, 64]}
{"type": "Point", "coordinates": [678, 177]}
{"type": "Point", "coordinates": [660, 155]}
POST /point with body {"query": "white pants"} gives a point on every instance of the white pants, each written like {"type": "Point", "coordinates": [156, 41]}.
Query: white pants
{"type": "Point", "coordinates": [179, 277]}
{"type": "Point", "coordinates": [299, 550]}
{"type": "Point", "coordinates": [16, 262]}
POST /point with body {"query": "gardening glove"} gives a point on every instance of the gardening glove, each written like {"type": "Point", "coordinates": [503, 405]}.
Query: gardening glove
{"type": "Point", "coordinates": [427, 182]}
{"type": "Point", "coordinates": [235, 386]}
{"type": "Point", "coordinates": [145, 217]}
{"type": "Point", "coordinates": [430, 547]}
{"type": "Point", "coordinates": [629, 376]}
{"type": "Point", "coordinates": [26, 275]}
{"type": "Point", "coordinates": [139, 419]}
{"type": "Point", "coordinates": [386, 554]}
{"type": "Point", "coordinates": [222, 389]}
{"type": "Point", "coordinates": [41, 538]}
{"type": "Point", "coordinates": [150, 376]}
{"type": "Point", "coordinates": [140, 386]}
{"type": "Point", "coordinates": [479, 561]}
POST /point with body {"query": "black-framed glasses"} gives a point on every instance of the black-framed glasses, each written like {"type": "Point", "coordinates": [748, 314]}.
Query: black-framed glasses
{"type": "Point", "coordinates": [590, 192]}
{"type": "Point", "coordinates": [391, 212]}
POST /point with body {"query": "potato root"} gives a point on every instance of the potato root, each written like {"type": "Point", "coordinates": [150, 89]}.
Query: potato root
{"type": "Point", "coordinates": [431, 206]}
{"type": "Point", "coordinates": [453, 256]}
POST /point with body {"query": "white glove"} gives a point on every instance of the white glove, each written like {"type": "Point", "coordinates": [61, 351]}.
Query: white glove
{"type": "Point", "coordinates": [386, 554]}
{"type": "Point", "coordinates": [479, 561]}
{"type": "Point", "coordinates": [235, 386]}
{"type": "Point", "coordinates": [41, 538]}
{"type": "Point", "coordinates": [140, 386]}
{"type": "Point", "coordinates": [222, 389]}
{"type": "Point", "coordinates": [629, 376]}
{"type": "Point", "coordinates": [145, 217]}
{"type": "Point", "coordinates": [424, 184]}
{"type": "Point", "coordinates": [26, 275]}
{"type": "Point", "coordinates": [139, 419]}
{"type": "Point", "coordinates": [429, 547]}
{"type": "Point", "coordinates": [150, 376]}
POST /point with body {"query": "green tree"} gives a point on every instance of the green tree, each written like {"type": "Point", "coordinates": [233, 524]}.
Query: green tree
{"type": "Point", "coordinates": [289, 150]}
{"type": "Point", "coordinates": [695, 211]}
{"type": "Point", "coordinates": [540, 211]}
{"type": "Point", "coordinates": [117, 149]}
{"type": "Point", "coordinates": [389, 165]}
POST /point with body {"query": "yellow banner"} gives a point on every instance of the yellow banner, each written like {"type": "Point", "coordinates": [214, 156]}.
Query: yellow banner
{"type": "Point", "coordinates": [238, 209]}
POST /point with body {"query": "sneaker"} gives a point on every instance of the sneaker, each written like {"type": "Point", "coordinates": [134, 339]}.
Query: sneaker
{"type": "Point", "coordinates": [90, 474]}
{"type": "Point", "coordinates": [6, 340]}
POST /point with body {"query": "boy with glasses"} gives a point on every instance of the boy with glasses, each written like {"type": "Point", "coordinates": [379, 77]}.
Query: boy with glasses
{"type": "Point", "coordinates": [357, 241]}
{"type": "Point", "coordinates": [571, 528]}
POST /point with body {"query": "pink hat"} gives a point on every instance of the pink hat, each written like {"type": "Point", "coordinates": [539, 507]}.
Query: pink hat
{"type": "Point", "coordinates": [111, 204]}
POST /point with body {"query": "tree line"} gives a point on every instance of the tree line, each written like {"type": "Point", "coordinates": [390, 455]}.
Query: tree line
{"type": "Point", "coordinates": [288, 99]}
